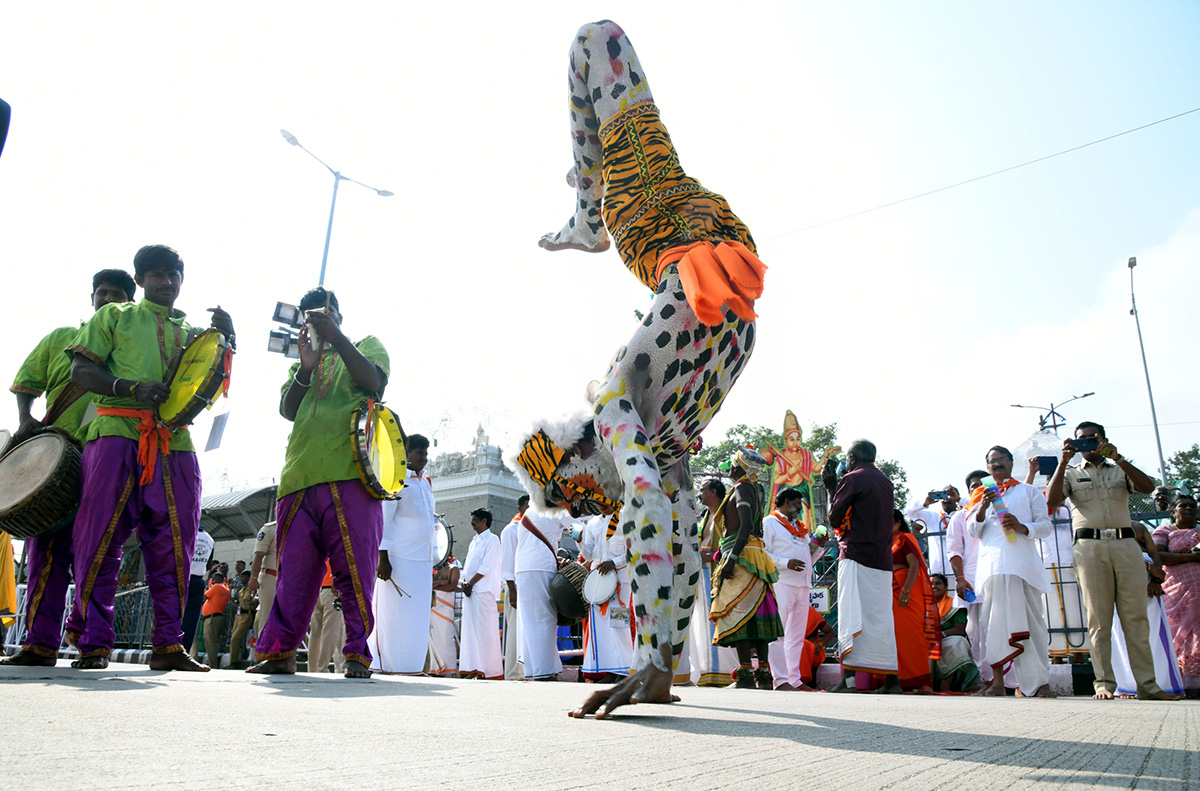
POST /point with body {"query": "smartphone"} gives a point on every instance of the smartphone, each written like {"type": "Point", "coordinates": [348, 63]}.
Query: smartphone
{"type": "Point", "coordinates": [939, 495]}
{"type": "Point", "coordinates": [1085, 444]}
{"type": "Point", "coordinates": [1047, 464]}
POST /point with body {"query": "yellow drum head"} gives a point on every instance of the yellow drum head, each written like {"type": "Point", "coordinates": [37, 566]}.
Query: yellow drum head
{"type": "Point", "coordinates": [379, 450]}
{"type": "Point", "coordinates": [198, 366]}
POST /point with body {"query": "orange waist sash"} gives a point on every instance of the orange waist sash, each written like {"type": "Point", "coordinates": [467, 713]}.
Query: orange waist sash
{"type": "Point", "coordinates": [151, 436]}
{"type": "Point", "coordinates": [728, 274]}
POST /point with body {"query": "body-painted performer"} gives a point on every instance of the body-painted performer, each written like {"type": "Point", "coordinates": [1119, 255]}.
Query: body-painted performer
{"type": "Point", "coordinates": [744, 607]}
{"type": "Point", "coordinates": [48, 370]}
{"type": "Point", "coordinates": [136, 475]}
{"type": "Point", "coordinates": [663, 387]}
{"type": "Point", "coordinates": [324, 511]}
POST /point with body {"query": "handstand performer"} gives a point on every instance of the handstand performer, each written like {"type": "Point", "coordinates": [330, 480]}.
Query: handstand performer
{"type": "Point", "coordinates": [662, 389]}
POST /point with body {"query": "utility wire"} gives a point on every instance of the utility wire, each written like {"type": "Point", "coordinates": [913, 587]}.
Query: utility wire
{"type": "Point", "coordinates": [985, 176]}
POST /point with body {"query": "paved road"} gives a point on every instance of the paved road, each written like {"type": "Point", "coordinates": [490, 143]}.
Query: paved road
{"type": "Point", "coordinates": [133, 728]}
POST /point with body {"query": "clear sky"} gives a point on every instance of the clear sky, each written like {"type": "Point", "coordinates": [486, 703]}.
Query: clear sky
{"type": "Point", "coordinates": [916, 326]}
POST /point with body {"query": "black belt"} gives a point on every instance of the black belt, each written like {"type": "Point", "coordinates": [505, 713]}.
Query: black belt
{"type": "Point", "coordinates": [1107, 533]}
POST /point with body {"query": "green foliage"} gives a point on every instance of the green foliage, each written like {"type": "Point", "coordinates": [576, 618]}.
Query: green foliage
{"type": "Point", "coordinates": [899, 478]}
{"type": "Point", "coordinates": [1185, 466]}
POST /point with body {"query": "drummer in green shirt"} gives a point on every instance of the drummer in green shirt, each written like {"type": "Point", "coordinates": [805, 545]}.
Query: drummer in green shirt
{"type": "Point", "coordinates": [137, 475]}
{"type": "Point", "coordinates": [324, 511]}
{"type": "Point", "coordinates": [47, 370]}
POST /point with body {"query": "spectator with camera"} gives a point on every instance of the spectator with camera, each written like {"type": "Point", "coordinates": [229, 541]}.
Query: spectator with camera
{"type": "Point", "coordinates": [936, 522]}
{"type": "Point", "coordinates": [1108, 558]}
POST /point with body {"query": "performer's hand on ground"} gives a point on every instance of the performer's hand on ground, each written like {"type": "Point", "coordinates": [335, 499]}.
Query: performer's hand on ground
{"type": "Point", "coordinates": [176, 661]}
{"type": "Point", "coordinates": [648, 685]}
{"type": "Point", "coordinates": [151, 393]}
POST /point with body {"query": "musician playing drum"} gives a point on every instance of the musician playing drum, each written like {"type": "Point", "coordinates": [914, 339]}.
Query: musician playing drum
{"type": "Point", "coordinates": [47, 370]}
{"type": "Point", "coordinates": [137, 475]}
{"type": "Point", "coordinates": [324, 511]}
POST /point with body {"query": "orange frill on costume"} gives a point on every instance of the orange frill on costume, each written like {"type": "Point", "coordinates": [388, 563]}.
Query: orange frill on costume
{"type": "Point", "coordinates": [715, 277]}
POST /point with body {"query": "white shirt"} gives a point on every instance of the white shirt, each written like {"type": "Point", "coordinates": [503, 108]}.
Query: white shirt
{"type": "Point", "coordinates": [1059, 549]}
{"type": "Point", "coordinates": [483, 557]}
{"type": "Point", "coordinates": [934, 521]}
{"type": "Point", "coordinates": [961, 544]}
{"type": "Point", "coordinates": [508, 550]}
{"type": "Point", "coordinates": [408, 523]}
{"type": "Point", "coordinates": [998, 555]}
{"type": "Point", "coordinates": [200, 555]}
{"type": "Point", "coordinates": [782, 545]}
{"type": "Point", "coordinates": [532, 554]}
{"type": "Point", "coordinates": [596, 548]}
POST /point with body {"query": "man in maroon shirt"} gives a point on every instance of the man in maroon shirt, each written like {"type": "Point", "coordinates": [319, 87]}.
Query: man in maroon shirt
{"type": "Point", "coordinates": [861, 515]}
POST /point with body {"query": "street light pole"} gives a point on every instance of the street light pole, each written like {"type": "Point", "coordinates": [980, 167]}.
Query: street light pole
{"type": "Point", "coordinates": [1051, 412]}
{"type": "Point", "coordinates": [1162, 465]}
{"type": "Point", "coordinates": [337, 178]}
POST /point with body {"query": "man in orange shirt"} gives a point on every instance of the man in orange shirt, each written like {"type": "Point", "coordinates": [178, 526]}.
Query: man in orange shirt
{"type": "Point", "coordinates": [216, 599]}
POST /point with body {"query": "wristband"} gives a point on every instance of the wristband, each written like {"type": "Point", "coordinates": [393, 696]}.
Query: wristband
{"type": "Point", "coordinates": [114, 387]}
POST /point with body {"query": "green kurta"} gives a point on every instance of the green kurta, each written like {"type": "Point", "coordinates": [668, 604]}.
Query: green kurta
{"type": "Point", "coordinates": [136, 341]}
{"type": "Point", "coordinates": [47, 370]}
{"type": "Point", "coordinates": [321, 446]}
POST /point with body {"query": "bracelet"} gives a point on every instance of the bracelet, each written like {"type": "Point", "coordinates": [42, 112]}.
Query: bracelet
{"type": "Point", "coordinates": [114, 387]}
{"type": "Point", "coordinates": [299, 383]}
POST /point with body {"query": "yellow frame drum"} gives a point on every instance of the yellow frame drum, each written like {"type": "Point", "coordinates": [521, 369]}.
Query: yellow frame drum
{"type": "Point", "coordinates": [197, 380]}
{"type": "Point", "coordinates": [379, 454]}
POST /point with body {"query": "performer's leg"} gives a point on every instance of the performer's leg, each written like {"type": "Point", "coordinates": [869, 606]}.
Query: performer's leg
{"type": "Point", "coordinates": [301, 569]}
{"type": "Point", "coordinates": [354, 556]}
{"type": "Point", "coordinates": [685, 549]}
{"type": "Point", "coordinates": [604, 78]}
{"type": "Point", "coordinates": [49, 576]}
{"type": "Point", "coordinates": [105, 520]}
{"type": "Point", "coordinates": [167, 526]}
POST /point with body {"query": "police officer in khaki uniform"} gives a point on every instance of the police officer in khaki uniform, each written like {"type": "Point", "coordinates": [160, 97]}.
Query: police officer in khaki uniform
{"type": "Point", "coordinates": [263, 572]}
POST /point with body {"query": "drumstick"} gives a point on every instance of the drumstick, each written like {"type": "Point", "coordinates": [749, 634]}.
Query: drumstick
{"type": "Point", "coordinates": [398, 588]}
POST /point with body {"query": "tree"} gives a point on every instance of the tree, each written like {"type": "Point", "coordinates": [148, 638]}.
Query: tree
{"type": "Point", "coordinates": [1185, 465]}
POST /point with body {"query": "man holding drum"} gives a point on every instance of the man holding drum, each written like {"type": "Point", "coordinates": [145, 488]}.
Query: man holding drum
{"type": "Point", "coordinates": [325, 512]}
{"type": "Point", "coordinates": [137, 474]}
{"type": "Point", "coordinates": [48, 370]}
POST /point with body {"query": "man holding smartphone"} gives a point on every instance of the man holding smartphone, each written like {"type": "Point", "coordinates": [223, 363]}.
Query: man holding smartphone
{"type": "Point", "coordinates": [1108, 558]}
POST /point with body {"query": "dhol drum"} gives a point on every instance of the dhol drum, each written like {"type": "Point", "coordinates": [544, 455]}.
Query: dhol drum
{"type": "Point", "coordinates": [39, 484]}
{"type": "Point", "coordinates": [566, 594]}
{"type": "Point", "coordinates": [5, 439]}
{"type": "Point", "coordinates": [599, 587]}
{"type": "Point", "coordinates": [443, 543]}
{"type": "Point", "coordinates": [379, 441]}
{"type": "Point", "coordinates": [200, 376]}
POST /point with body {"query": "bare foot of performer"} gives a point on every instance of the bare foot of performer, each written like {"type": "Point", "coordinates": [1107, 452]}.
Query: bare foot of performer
{"type": "Point", "coordinates": [90, 663]}
{"type": "Point", "coordinates": [177, 661]}
{"type": "Point", "coordinates": [280, 667]}
{"type": "Point", "coordinates": [27, 658]}
{"type": "Point", "coordinates": [356, 670]}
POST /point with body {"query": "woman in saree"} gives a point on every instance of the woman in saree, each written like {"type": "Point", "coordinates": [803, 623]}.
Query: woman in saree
{"type": "Point", "coordinates": [1180, 556]}
{"type": "Point", "coordinates": [955, 670]}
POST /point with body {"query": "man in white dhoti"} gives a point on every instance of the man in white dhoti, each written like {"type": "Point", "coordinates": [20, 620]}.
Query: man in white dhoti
{"type": "Point", "coordinates": [861, 515]}
{"type": "Point", "coordinates": [710, 665]}
{"type": "Point", "coordinates": [514, 668]}
{"type": "Point", "coordinates": [790, 545]}
{"type": "Point", "coordinates": [404, 589]}
{"type": "Point", "coordinates": [1012, 577]}
{"type": "Point", "coordinates": [443, 636]}
{"type": "Point", "coordinates": [536, 562]}
{"type": "Point", "coordinates": [481, 657]}
{"type": "Point", "coordinates": [607, 638]}
{"type": "Point", "coordinates": [935, 513]}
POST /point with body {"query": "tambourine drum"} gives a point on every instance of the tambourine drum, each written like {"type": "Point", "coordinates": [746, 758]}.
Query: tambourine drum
{"type": "Point", "coordinates": [196, 381]}
{"type": "Point", "coordinates": [566, 594]}
{"type": "Point", "coordinates": [443, 543]}
{"type": "Point", "coordinates": [598, 587]}
{"type": "Point", "coordinates": [379, 449]}
{"type": "Point", "coordinates": [39, 485]}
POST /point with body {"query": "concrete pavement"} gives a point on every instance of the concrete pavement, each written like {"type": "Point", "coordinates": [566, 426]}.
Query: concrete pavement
{"type": "Point", "coordinates": [132, 728]}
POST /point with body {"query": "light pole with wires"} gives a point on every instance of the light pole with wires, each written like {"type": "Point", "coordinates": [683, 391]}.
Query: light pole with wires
{"type": "Point", "coordinates": [337, 178]}
{"type": "Point", "coordinates": [1162, 465]}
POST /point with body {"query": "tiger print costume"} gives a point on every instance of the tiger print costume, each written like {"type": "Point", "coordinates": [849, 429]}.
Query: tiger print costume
{"type": "Point", "coordinates": [666, 384]}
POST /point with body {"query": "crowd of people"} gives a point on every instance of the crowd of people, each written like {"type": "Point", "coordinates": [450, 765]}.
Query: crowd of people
{"type": "Point", "coordinates": [717, 598]}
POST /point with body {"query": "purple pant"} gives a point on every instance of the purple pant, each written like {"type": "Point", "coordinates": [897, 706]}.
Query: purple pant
{"type": "Point", "coordinates": [50, 561]}
{"type": "Point", "coordinates": [339, 522]}
{"type": "Point", "coordinates": [113, 506]}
